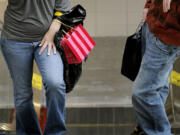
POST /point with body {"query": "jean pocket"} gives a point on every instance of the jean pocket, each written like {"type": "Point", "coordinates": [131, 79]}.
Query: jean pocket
{"type": "Point", "coordinates": [161, 46]}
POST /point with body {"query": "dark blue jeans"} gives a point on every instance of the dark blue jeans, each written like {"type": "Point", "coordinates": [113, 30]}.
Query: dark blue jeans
{"type": "Point", "coordinates": [19, 57]}
{"type": "Point", "coordinates": [151, 87]}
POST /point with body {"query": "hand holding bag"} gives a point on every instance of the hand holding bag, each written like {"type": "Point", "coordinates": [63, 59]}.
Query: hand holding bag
{"type": "Point", "coordinates": [72, 72]}
{"type": "Point", "coordinates": [70, 19]}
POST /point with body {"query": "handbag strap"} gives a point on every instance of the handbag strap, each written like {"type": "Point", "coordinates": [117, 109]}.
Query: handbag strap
{"type": "Point", "coordinates": [139, 26]}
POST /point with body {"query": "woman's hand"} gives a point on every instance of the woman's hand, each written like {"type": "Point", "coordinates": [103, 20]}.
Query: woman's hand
{"type": "Point", "coordinates": [166, 5]}
{"type": "Point", "coordinates": [48, 39]}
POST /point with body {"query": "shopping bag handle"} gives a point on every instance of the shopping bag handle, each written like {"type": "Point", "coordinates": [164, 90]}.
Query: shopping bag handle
{"type": "Point", "coordinates": [67, 26]}
{"type": "Point", "coordinates": [66, 33]}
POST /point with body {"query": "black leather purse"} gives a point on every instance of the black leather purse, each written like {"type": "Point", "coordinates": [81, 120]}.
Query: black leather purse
{"type": "Point", "coordinates": [132, 56]}
{"type": "Point", "coordinates": [72, 72]}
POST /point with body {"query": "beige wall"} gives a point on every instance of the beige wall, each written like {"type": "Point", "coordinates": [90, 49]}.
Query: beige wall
{"type": "Point", "coordinates": [107, 17]}
{"type": "Point", "coordinates": [3, 5]}
{"type": "Point", "coordinates": [112, 17]}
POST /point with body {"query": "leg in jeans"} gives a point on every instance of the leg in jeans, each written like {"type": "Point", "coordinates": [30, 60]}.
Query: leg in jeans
{"type": "Point", "coordinates": [51, 68]}
{"type": "Point", "coordinates": [19, 58]}
{"type": "Point", "coordinates": [163, 91]}
{"type": "Point", "coordinates": [150, 88]}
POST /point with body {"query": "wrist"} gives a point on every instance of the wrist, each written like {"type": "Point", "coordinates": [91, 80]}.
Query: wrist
{"type": "Point", "coordinates": [55, 26]}
{"type": "Point", "coordinates": [56, 20]}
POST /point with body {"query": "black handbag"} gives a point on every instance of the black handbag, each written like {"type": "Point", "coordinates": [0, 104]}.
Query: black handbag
{"type": "Point", "coordinates": [132, 56]}
{"type": "Point", "coordinates": [72, 72]}
{"type": "Point", "coordinates": [73, 17]}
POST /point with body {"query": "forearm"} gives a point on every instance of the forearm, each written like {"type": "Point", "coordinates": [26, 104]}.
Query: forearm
{"type": "Point", "coordinates": [61, 6]}
{"type": "Point", "coordinates": [148, 3]}
{"type": "Point", "coordinates": [54, 27]}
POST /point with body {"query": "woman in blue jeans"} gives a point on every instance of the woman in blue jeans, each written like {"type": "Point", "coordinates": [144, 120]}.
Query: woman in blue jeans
{"type": "Point", "coordinates": [28, 34]}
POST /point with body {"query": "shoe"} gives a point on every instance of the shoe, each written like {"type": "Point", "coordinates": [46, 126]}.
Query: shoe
{"type": "Point", "coordinates": [138, 131]}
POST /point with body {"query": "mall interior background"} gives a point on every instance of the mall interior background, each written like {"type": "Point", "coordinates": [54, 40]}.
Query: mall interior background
{"type": "Point", "coordinates": [100, 104]}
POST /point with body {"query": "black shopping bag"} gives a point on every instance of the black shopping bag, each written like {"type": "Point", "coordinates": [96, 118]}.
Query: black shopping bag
{"type": "Point", "coordinates": [72, 72]}
{"type": "Point", "coordinates": [132, 56]}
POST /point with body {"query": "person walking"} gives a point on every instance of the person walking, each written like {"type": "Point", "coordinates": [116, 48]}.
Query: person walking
{"type": "Point", "coordinates": [28, 34]}
{"type": "Point", "coordinates": [161, 32]}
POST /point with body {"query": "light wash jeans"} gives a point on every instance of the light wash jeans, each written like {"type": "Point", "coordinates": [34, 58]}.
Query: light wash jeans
{"type": "Point", "coordinates": [19, 57]}
{"type": "Point", "coordinates": [151, 87]}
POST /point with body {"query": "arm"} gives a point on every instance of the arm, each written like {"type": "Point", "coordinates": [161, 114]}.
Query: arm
{"type": "Point", "coordinates": [148, 3]}
{"type": "Point", "coordinates": [146, 9]}
{"type": "Point", "coordinates": [166, 5]}
{"type": "Point", "coordinates": [61, 6]}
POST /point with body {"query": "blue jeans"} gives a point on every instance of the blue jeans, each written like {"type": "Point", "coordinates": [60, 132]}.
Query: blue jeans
{"type": "Point", "coordinates": [19, 57]}
{"type": "Point", "coordinates": [151, 87]}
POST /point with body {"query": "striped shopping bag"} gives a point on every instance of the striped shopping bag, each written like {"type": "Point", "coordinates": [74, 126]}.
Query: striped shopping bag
{"type": "Point", "coordinates": [77, 44]}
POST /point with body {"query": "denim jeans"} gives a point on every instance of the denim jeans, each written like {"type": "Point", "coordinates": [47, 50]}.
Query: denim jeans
{"type": "Point", "coordinates": [19, 57]}
{"type": "Point", "coordinates": [151, 87]}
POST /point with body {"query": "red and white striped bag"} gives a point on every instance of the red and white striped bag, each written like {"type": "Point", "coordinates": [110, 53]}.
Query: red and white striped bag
{"type": "Point", "coordinates": [77, 44]}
